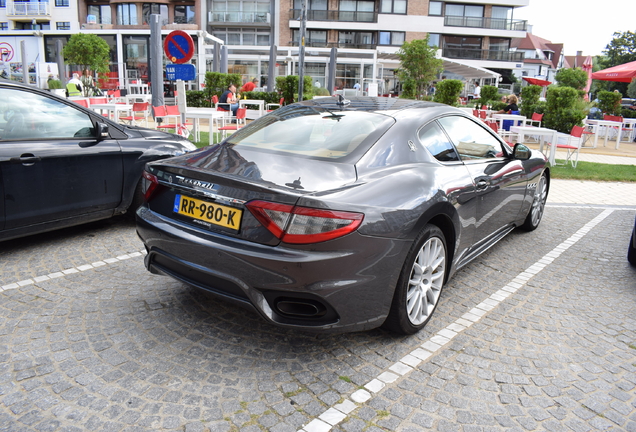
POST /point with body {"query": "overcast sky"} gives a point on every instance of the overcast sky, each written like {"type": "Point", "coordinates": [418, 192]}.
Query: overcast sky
{"type": "Point", "coordinates": [581, 25]}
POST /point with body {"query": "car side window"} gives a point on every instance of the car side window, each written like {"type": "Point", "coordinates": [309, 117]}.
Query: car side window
{"type": "Point", "coordinates": [434, 139]}
{"type": "Point", "coordinates": [473, 142]}
{"type": "Point", "coordinates": [25, 115]}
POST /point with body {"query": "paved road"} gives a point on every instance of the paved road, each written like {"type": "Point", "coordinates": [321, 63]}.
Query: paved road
{"type": "Point", "coordinates": [539, 333]}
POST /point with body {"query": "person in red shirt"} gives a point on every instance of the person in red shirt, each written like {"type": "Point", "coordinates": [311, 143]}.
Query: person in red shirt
{"type": "Point", "coordinates": [249, 86]}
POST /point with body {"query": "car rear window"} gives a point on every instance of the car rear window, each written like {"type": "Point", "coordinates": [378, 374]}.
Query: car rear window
{"type": "Point", "coordinates": [314, 132]}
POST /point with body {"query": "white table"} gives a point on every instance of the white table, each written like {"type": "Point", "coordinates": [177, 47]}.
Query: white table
{"type": "Point", "coordinates": [253, 114]}
{"type": "Point", "coordinates": [607, 124]}
{"type": "Point", "coordinates": [206, 113]}
{"type": "Point", "coordinates": [131, 98]}
{"type": "Point", "coordinates": [539, 131]}
{"type": "Point", "coordinates": [115, 108]}
{"type": "Point", "coordinates": [499, 118]}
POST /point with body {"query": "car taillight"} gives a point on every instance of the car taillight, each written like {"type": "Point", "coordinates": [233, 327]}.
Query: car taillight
{"type": "Point", "coordinates": [149, 184]}
{"type": "Point", "coordinates": [303, 225]}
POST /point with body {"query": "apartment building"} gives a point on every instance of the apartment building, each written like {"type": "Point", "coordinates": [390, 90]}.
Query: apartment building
{"type": "Point", "coordinates": [473, 37]}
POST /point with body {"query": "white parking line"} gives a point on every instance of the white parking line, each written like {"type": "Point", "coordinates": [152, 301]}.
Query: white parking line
{"type": "Point", "coordinates": [71, 270]}
{"type": "Point", "coordinates": [409, 362]}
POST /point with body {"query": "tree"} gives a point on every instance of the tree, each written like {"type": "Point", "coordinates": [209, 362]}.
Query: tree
{"type": "Point", "coordinates": [631, 89]}
{"type": "Point", "coordinates": [418, 67]}
{"type": "Point", "coordinates": [575, 78]}
{"type": "Point", "coordinates": [89, 52]}
{"type": "Point", "coordinates": [620, 50]}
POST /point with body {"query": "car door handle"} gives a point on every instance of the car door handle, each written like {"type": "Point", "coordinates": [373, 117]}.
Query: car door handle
{"type": "Point", "coordinates": [27, 159]}
{"type": "Point", "coordinates": [482, 184]}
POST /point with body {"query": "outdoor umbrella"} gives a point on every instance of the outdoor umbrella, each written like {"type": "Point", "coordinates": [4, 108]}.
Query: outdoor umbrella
{"type": "Point", "coordinates": [587, 67]}
{"type": "Point", "coordinates": [621, 73]}
{"type": "Point", "coordinates": [537, 81]}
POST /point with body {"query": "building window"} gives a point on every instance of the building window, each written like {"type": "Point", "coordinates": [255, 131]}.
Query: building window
{"type": "Point", "coordinates": [99, 14]}
{"type": "Point", "coordinates": [65, 25]}
{"type": "Point", "coordinates": [434, 40]}
{"type": "Point", "coordinates": [360, 10]}
{"type": "Point", "coordinates": [435, 8]}
{"type": "Point", "coordinates": [243, 36]}
{"type": "Point", "coordinates": [127, 14]}
{"type": "Point", "coordinates": [313, 38]}
{"type": "Point", "coordinates": [247, 11]}
{"type": "Point", "coordinates": [4, 26]}
{"type": "Point", "coordinates": [393, 6]}
{"type": "Point", "coordinates": [3, 3]}
{"type": "Point", "coordinates": [466, 15]}
{"type": "Point", "coordinates": [356, 39]}
{"type": "Point", "coordinates": [391, 38]}
{"type": "Point", "coordinates": [61, 3]}
{"type": "Point", "coordinates": [184, 14]}
{"type": "Point", "coordinates": [155, 8]}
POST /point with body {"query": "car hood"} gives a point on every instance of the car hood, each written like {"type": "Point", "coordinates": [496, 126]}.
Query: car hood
{"type": "Point", "coordinates": [277, 170]}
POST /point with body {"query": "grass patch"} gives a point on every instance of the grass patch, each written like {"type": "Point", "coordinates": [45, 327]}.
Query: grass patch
{"type": "Point", "coordinates": [594, 171]}
{"type": "Point", "coordinates": [205, 139]}
{"type": "Point", "coordinates": [345, 378]}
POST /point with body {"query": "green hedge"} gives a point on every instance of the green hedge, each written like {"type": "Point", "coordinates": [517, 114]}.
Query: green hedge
{"type": "Point", "coordinates": [563, 109]}
{"type": "Point", "coordinates": [448, 91]}
{"type": "Point", "coordinates": [288, 87]}
{"type": "Point", "coordinates": [609, 102]}
{"type": "Point", "coordinates": [530, 100]}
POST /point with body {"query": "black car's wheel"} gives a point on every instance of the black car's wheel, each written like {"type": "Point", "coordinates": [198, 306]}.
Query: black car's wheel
{"type": "Point", "coordinates": [420, 284]}
{"type": "Point", "coordinates": [538, 205]}
{"type": "Point", "coordinates": [631, 252]}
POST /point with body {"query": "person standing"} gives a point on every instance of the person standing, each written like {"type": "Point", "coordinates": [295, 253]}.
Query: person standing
{"type": "Point", "coordinates": [74, 86]}
{"type": "Point", "coordinates": [477, 92]}
{"type": "Point", "coordinates": [229, 97]}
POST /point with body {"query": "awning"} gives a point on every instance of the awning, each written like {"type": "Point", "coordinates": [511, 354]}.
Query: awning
{"type": "Point", "coordinates": [453, 66]}
{"type": "Point", "coordinates": [621, 73]}
{"type": "Point", "coordinates": [468, 71]}
{"type": "Point", "coordinates": [537, 81]}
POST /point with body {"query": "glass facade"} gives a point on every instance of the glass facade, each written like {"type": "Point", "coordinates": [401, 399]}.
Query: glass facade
{"type": "Point", "coordinates": [148, 9]}
{"type": "Point", "coordinates": [127, 14]}
{"type": "Point", "coordinates": [184, 14]}
{"type": "Point", "coordinates": [102, 13]}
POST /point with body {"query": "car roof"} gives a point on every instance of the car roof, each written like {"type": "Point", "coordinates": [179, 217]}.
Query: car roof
{"type": "Point", "coordinates": [361, 103]}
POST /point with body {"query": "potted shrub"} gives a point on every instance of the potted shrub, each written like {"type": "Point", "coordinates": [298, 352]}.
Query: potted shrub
{"type": "Point", "coordinates": [55, 86]}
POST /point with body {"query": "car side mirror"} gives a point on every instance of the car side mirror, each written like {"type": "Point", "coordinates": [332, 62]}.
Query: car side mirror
{"type": "Point", "coordinates": [521, 152]}
{"type": "Point", "coordinates": [102, 132]}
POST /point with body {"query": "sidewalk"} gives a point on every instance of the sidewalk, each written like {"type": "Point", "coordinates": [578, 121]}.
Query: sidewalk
{"type": "Point", "coordinates": [590, 192]}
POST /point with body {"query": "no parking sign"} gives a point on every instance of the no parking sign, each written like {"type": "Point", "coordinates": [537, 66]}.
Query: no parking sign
{"type": "Point", "coordinates": [178, 46]}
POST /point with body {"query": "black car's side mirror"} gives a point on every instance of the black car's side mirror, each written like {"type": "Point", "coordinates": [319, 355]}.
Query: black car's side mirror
{"type": "Point", "coordinates": [102, 131]}
{"type": "Point", "coordinates": [521, 152]}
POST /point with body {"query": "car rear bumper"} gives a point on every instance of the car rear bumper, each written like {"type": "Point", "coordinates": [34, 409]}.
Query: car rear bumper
{"type": "Point", "coordinates": [341, 285]}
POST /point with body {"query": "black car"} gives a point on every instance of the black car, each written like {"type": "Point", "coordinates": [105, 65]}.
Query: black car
{"type": "Point", "coordinates": [338, 215]}
{"type": "Point", "coordinates": [631, 251]}
{"type": "Point", "coordinates": [62, 164]}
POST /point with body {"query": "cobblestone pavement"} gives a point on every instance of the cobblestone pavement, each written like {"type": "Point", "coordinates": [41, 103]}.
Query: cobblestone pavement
{"type": "Point", "coordinates": [89, 340]}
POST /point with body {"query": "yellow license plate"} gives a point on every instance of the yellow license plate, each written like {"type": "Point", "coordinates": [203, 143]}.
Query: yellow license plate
{"type": "Point", "coordinates": [214, 214]}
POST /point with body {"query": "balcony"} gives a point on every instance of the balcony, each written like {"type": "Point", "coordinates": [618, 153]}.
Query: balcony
{"type": "Point", "coordinates": [486, 23]}
{"type": "Point", "coordinates": [336, 15]}
{"type": "Point", "coordinates": [18, 10]}
{"type": "Point", "coordinates": [234, 17]}
{"type": "Point", "coordinates": [475, 54]}
{"type": "Point", "coordinates": [343, 45]}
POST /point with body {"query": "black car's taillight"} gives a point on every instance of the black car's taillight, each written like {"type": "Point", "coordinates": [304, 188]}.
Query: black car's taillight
{"type": "Point", "coordinates": [149, 184]}
{"type": "Point", "coordinates": [303, 225]}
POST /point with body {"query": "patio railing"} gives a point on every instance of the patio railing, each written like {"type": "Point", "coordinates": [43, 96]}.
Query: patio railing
{"type": "Point", "coordinates": [475, 54]}
{"type": "Point", "coordinates": [336, 15]}
{"type": "Point", "coordinates": [239, 17]}
{"type": "Point", "coordinates": [28, 9]}
{"type": "Point", "coordinates": [487, 23]}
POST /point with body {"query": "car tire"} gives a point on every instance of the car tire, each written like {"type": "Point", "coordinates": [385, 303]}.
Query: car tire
{"type": "Point", "coordinates": [631, 252]}
{"type": "Point", "coordinates": [420, 284]}
{"type": "Point", "coordinates": [533, 219]}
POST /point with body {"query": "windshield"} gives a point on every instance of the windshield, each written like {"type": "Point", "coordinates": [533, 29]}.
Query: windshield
{"type": "Point", "coordinates": [314, 132]}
